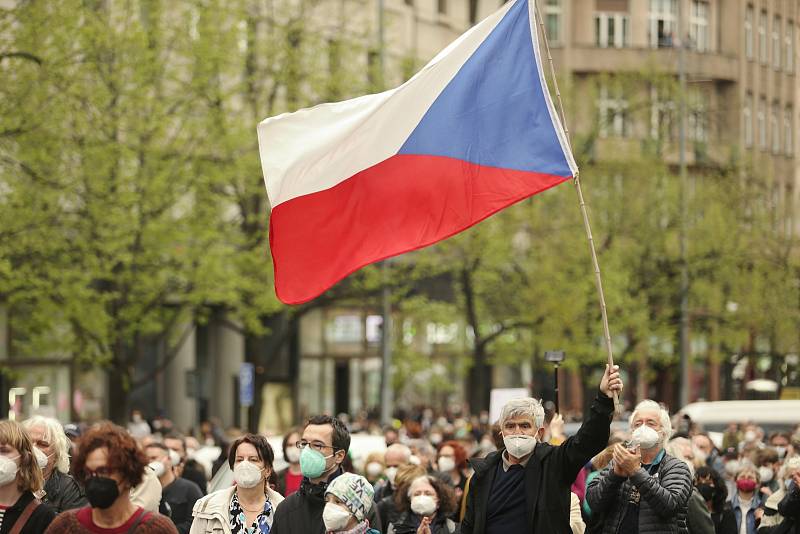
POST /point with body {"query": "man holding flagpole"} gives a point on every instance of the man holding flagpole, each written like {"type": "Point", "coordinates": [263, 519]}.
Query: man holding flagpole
{"type": "Point", "coordinates": [525, 487]}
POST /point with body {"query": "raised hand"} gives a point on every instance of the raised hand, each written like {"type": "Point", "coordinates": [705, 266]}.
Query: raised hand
{"type": "Point", "coordinates": [611, 381]}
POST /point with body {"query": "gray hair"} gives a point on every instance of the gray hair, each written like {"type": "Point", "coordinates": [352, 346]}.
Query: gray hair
{"type": "Point", "coordinates": [53, 434]}
{"type": "Point", "coordinates": [524, 407]}
{"type": "Point", "coordinates": [675, 448]}
{"type": "Point", "coordinates": [791, 464]}
{"type": "Point", "coordinates": [403, 449]}
{"type": "Point", "coordinates": [652, 406]}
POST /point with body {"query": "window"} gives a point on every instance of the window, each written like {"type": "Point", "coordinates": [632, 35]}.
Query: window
{"type": "Point", "coordinates": [788, 137]}
{"type": "Point", "coordinates": [774, 127]}
{"type": "Point", "coordinates": [662, 115]}
{"type": "Point", "coordinates": [747, 119]}
{"type": "Point", "coordinates": [762, 37]}
{"type": "Point", "coordinates": [613, 113]}
{"type": "Point", "coordinates": [345, 329]}
{"type": "Point", "coordinates": [697, 118]}
{"type": "Point", "coordinates": [663, 22]}
{"type": "Point", "coordinates": [611, 30]}
{"type": "Point", "coordinates": [788, 40]}
{"type": "Point", "coordinates": [748, 32]}
{"type": "Point", "coordinates": [552, 20]}
{"type": "Point", "coordinates": [698, 26]}
{"type": "Point", "coordinates": [761, 119]}
{"type": "Point", "coordinates": [776, 43]}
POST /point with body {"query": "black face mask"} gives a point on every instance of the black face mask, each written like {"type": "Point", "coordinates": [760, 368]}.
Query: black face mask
{"type": "Point", "coordinates": [101, 492]}
{"type": "Point", "coordinates": [707, 491]}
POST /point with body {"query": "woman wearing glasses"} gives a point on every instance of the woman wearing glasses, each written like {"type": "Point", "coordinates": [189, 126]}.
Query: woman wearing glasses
{"type": "Point", "coordinates": [248, 507]}
{"type": "Point", "coordinates": [20, 477]}
{"type": "Point", "coordinates": [108, 464]}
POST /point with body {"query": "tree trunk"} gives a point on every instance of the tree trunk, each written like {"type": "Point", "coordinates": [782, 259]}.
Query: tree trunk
{"type": "Point", "coordinates": [479, 381]}
{"type": "Point", "coordinates": [118, 388]}
{"type": "Point", "coordinates": [479, 378]}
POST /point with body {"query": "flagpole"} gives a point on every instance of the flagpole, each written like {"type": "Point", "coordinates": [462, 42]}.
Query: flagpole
{"type": "Point", "coordinates": [577, 181]}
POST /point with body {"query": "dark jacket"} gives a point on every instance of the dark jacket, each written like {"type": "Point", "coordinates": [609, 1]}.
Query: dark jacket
{"type": "Point", "coordinates": [663, 502]}
{"type": "Point", "coordinates": [62, 492]}
{"type": "Point", "coordinates": [549, 474]}
{"type": "Point", "coordinates": [789, 508]}
{"type": "Point", "coordinates": [724, 520]}
{"type": "Point", "coordinates": [37, 522]}
{"type": "Point", "coordinates": [408, 523]}
{"type": "Point", "coordinates": [301, 512]}
{"type": "Point", "coordinates": [698, 517]}
{"type": "Point", "coordinates": [387, 511]}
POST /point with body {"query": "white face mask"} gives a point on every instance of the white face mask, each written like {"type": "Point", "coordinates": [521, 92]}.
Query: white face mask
{"type": "Point", "coordinates": [446, 464]}
{"type": "Point", "coordinates": [750, 436]}
{"type": "Point", "coordinates": [414, 460]}
{"type": "Point", "coordinates": [174, 458]}
{"type": "Point", "coordinates": [335, 517]}
{"type": "Point", "coordinates": [766, 474]}
{"type": "Point", "coordinates": [390, 473]}
{"type": "Point", "coordinates": [646, 437]}
{"type": "Point", "coordinates": [41, 458]}
{"type": "Point", "coordinates": [423, 505]}
{"type": "Point", "coordinates": [292, 455]}
{"type": "Point", "coordinates": [732, 467]}
{"type": "Point", "coordinates": [781, 450]}
{"type": "Point", "coordinates": [374, 469]}
{"type": "Point", "coordinates": [435, 439]}
{"type": "Point", "coordinates": [699, 456]}
{"type": "Point", "coordinates": [8, 470]}
{"type": "Point", "coordinates": [158, 468]}
{"type": "Point", "coordinates": [247, 474]}
{"type": "Point", "coordinates": [519, 445]}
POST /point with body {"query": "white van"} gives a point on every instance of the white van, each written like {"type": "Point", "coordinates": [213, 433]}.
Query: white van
{"type": "Point", "coordinates": [771, 415]}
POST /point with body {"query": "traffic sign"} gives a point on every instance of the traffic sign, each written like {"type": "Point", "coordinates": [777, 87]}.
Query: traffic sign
{"type": "Point", "coordinates": [246, 384]}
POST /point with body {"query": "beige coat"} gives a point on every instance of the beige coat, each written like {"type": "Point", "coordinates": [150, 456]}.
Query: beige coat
{"type": "Point", "coordinates": [211, 513]}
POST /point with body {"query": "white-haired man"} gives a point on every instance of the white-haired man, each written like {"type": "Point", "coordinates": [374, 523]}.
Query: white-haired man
{"type": "Point", "coordinates": [525, 487]}
{"type": "Point", "coordinates": [644, 490]}
{"type": "Point", "coordinates": [61, 491]}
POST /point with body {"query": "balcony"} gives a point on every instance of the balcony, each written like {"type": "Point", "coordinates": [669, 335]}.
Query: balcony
{"type": "Point", "coordinates": [593, 60]}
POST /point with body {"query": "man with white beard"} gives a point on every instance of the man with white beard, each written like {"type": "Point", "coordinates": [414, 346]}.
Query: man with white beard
{"type": "Point", "coordinates": [644, 490]}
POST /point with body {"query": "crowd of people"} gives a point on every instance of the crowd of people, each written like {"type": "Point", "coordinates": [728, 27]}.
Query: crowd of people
{"type": "Point", "coordinates": [521, 474]}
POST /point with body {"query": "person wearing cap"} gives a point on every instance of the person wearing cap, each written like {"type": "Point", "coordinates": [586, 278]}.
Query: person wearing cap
{"type": "Point", "coordinates": [348, 501]}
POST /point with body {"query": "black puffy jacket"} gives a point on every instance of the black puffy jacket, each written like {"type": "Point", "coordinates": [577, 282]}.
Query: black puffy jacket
{"type": "Point", "coordinates": [62, 492]}
{"type": "Point", "coordinates": [664, 497]}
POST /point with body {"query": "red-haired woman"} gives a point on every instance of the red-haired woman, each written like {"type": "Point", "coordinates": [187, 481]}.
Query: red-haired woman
{"type": "Point", "coordinates": [452, 462]}
{"type": "Point", "coordinates": [20, 477]}
{"type": "Point", "coordinates": [109, 463]}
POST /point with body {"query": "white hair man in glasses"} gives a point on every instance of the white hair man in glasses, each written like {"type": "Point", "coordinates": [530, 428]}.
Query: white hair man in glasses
{"type": "Point", "coordinates": [525, 487]}
{"type": "Point", "coordinates": [644, 489]}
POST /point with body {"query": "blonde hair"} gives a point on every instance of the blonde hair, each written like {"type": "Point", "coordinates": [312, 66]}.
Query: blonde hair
{"type": "Point", "coordinates": [29, 475]}
{"type": "Point", "coordinates": [55, 436]}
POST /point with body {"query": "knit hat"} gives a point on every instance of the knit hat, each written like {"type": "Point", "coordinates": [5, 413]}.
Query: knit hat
{"type": "Point", "coordinates": [354, 491]}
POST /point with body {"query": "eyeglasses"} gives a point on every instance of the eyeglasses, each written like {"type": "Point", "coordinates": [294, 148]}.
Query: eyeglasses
{"type": "Point", "coordinates": [103, 471]}
{"type": "Point", "coordinates": [316, 445]}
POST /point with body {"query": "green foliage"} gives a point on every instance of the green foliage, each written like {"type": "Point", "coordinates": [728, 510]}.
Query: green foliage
{"type": "Point", "coordinates": [131, 192]}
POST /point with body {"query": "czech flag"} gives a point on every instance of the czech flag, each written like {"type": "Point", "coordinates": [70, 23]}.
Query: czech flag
{"type": "Point", "coordinates": [355, 182]}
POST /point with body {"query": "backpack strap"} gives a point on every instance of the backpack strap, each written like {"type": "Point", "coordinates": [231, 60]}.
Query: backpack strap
{"type": "Point", "coordinates": [463, 509]}
{"type": "Point", "coordinates": [139, 519]}
{"type": "Point", "coordinates": [26, 514]}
